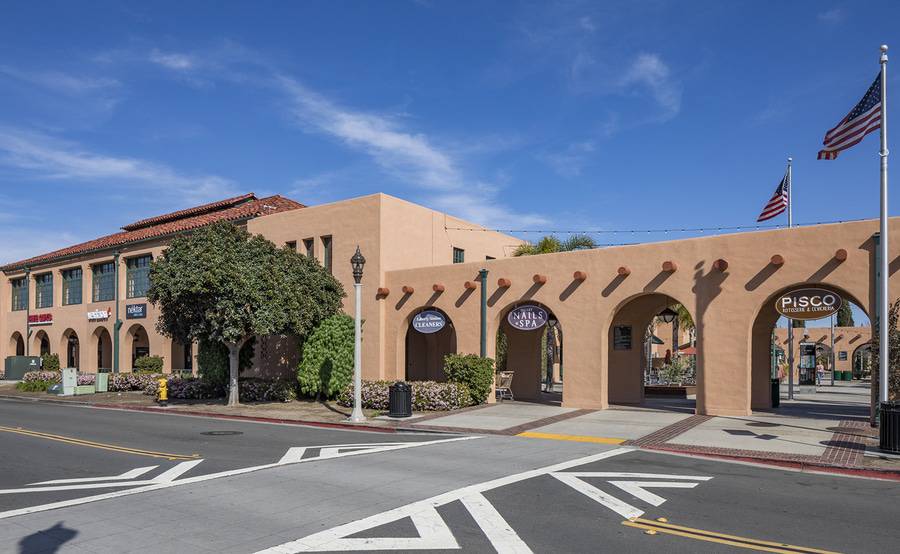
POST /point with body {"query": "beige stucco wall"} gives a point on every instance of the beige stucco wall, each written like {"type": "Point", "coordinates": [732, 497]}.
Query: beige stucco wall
{"type": "Point", "coordinates": [733, 309]}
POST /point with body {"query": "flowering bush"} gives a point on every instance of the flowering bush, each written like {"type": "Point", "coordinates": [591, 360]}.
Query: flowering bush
{"type": "Point", "coordinates": [426, 396]}
{"type": "Point", "coordinates": [187, 388]}
{"type": "Point", "coordinates": [262, 390]}
{"type": "Point", "coordinates": [251, 390]}
{"type": "Point", "coordinates": [121, 382]}
{"type": "Point", "coordinates": [85, 379]}
{"type": "Point", "coordinates": [35, 381]}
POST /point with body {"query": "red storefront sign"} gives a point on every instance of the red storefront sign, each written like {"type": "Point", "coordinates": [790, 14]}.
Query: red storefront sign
{"type": "Point", "coordinates": [40, 319]}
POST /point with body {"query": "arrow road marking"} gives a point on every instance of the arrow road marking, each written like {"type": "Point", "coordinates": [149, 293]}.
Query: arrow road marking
{"type": "Point", "coordinates": [638, 489]}
{"type": "Point", "coordinates": [622, 508]}
{"type": "Point", "coordinates": [80, 484]}
{"type": "Point", "coordinates": [295, 454]}
{"type": "Point", "coordinates": [131, 474]}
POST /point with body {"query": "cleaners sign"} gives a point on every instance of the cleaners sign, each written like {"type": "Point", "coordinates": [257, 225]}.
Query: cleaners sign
{"type": "Point", "coordinates": [808, 304]}
{"type": "Point", "coordinates": [429, 321]}
{"type": "Point", "coordinates": [527, 318]}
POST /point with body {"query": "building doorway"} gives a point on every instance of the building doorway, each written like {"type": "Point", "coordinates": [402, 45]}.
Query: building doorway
{"type": "Point", "coordinates": [429, 338]}
{"type": "Point", "coordinates": [530, 345]}
{"type": "Point", "coordinates": [17, 344]}
{"type": "Point", "coordinates": [42, 343]}
{"type": "Point", "coordinates": [104, 350]}
{"type": "Point", "coordinates": [138, 342]}
{"type": "Point", "coordinates": [72, 349]}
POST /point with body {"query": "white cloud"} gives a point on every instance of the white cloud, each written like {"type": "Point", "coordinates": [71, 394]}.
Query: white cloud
{"type": "Point", "coordinates": [172, 60]}
{"type": "Point", "coordinates": [49, 158]}
{"type": "Point", "coordinates": [61, 82]}
{"type": "Point", "coordinates": [832, 16]}
{"type": "Point", "coordinates": [20, 243]}
{"type": "Point", "coordinates": [571, 161]}
{"type": "Point", "coordinates": [650, 71]}
{"type": "Point", "coordinates": [587, 24]}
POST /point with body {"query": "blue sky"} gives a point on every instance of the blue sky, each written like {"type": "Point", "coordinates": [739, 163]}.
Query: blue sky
{"type": "Point", "coordinates": [568, 115]}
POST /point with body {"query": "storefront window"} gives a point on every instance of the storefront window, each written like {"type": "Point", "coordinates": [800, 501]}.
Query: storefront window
{"type": "Point", "coordinates": [104, 284]}
{"type": "Point", "coordinates": [71, 293]}
{"type": "Point", "coordinates": [19, 294]}
{"type": "Point", "coordinates": [138, 276]}
{"type": "Point", "coordinates": [459, 255]}
{"type": "Point", "coordinates": [43, 290]}
{"type": "Point", "coordinates": [326, 253]}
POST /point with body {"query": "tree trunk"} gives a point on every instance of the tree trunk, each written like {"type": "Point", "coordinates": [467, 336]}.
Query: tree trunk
{"type": "Point", "coordinates": [234, 356]}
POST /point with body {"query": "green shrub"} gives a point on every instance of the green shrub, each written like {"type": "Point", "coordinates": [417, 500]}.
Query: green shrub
{"type": "Point", "coordinates": [148, 364]}
{"type": "Point", "coordinates": [475, 372]}
{"type": "Point", "coordinates": [212, 361]}
{"type": "Point", "coordinates": [50, 362]}
{"type": "Point", "coordinates": [326, 365]}
{"type": "Point", "coordinates": [35, 386]}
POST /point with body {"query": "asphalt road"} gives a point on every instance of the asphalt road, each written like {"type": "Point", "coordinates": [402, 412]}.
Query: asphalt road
{"type": "Point", "coordinates": [470, 494]}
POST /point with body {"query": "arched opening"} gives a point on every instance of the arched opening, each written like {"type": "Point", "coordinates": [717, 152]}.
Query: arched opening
{"type": "Point", "coordinates": [862, 362]}
{"type": "Point", "coordinates": [137, 342]}
{"type": "Point", "coordinates": [17, 344]}
{"type": "Point", "coordinates": [70, 349]}
{"type": "Point", "coordinates": [182, 357]}
{"type": "Point", "coordinates": [104, 350]}
{"type": "Point", "coordinates": [429, 338]}
{"type": "Point", "coordinates": [41, 344]}
{"type": "Point", "coordinates": [818, 364]}
{"type": "Point", "coordinates": [529, 344]}
{"type": "Point", "coordinates": [652, 352]}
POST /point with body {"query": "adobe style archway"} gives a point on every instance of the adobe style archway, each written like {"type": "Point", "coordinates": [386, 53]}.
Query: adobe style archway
{"type": "Point", "coordinates": [101, 342]}
{"type": "Point", "coordinates": [430, 336]}
{"type": "Point", "coordinates": [862, 361]}
{"type": "Point", "coordinates": [137, 342]}
{"type": "Point", "coordinates": [70, 349]}
{"type": "Point", "coordinates": [533, 340]}
{"type": "Point", "coordinates": [40, 343]}
{"type": "Point", "coordinates": [628, 339]}
{"type": "Point", "coordinates": [761, 370]}
{"type": "Point", "coordinates": [17, 344]}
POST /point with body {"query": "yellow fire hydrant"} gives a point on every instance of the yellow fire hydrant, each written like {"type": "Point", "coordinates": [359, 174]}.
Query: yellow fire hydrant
{"type": "Point", "coordinates": [163, 395]}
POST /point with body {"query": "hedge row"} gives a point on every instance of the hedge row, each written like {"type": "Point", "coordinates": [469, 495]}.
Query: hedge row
{"type": "Point", "coordinates": [427, 396]}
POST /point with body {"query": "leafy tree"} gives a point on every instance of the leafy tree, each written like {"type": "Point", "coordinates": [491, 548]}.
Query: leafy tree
{"type": "Point", "coordinates": [212, 361]}
{"type": "Point", "coordinates": [327, 363]}
{"type": "Point", "coordinates": [844, 315]}
{"type": "Point", "coordinates": [220, 284]}
{"type": "Point", "coordinates": [550, 244]}
{"type": "Point", "coordinates": [893, 355]}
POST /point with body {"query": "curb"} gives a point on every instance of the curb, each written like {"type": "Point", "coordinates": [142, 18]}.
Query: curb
{"type": "Point", "coordinates": [888, 474]}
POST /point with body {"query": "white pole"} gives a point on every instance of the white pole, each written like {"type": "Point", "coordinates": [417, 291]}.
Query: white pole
{"type": "Point", "coordinates": [357, 416]}
{"type": "Point", "coordinates": [790, 214]}
{"type": "Point", "coordinates": [832, 352]}
{"type": "Point", "coordinates": [885, 299]}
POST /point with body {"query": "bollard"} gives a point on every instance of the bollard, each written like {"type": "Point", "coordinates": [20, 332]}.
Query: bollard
{"type": "Point", "coordinates": [163, 395]}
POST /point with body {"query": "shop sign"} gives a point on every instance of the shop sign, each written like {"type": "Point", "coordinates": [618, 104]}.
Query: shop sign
{"type": "Point", "coordinates": [40, 319]}
{"type": "Point", "coordinates": [806, 304]}
{"type": "Point", "coordinates": [98, 315]}
{"type": "Point", "coordinates": [135, 311]}
{"type": "Point", "coordinates": [527, 318]}
{"type": "Point", "coordinates": [429, 321]}
{"type": "Point", "coordinates": [622, 337]}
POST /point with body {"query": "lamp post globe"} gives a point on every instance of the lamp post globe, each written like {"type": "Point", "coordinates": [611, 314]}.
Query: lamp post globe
{"type": "Point", "coordinates": [668, 315]}
{"type": "Point", "coordinates": [357, 262]}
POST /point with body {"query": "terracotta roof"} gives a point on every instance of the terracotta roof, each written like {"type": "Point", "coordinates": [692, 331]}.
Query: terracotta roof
{"type": "Point", "coordinates": [233, 209]}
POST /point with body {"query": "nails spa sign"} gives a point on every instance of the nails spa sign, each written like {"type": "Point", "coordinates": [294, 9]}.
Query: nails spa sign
{"type": "Point", "coordinates": [805, 304]}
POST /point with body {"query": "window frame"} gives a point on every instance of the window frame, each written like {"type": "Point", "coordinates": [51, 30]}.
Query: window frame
{"type": "Point", "coordinates": [68, 288]}
{"type": "Point", "coordinates": [133, 272]}
{"type": "Point", "coordinates": [291, 245]}
{"type": "Point", "coordinates": [99, 279]}
{"type": "Point", "coordinates": [19, 288]}
{"type": "Point", "coordinates": [461, 258]}
{"type": "Point", "coordinates": [328, 253]}
{"type": "Point", "coordinates": [43, 290]}
{"type": "Point", "coordinates": [309, 245]}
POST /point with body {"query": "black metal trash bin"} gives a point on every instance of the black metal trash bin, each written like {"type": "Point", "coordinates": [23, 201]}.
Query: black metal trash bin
{"type": "Point", "coordinates": [889, 427]}
{"type": "Point", "coordinates": [776, 393]}
{"type": "Point", "coordinates": [400, 399]}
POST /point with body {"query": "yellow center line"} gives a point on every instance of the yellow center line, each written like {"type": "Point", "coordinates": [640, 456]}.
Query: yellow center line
{"type": "Point", "coordinates": [100, 445]}
{"type": "Point", "coordinates": [574, 438]}
{"type": "Point", "coordinates": [721, 538]}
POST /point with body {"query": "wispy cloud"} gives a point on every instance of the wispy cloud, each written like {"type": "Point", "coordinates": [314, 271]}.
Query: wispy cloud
{"type": "Point", "coordinates": [571, 161]}
{"type": "Point", "coordinates": [649, 71]}
{"type": "Point", "coordinates": [46, 157]}
{"type": "Point", "coordinates": [59, 81]}
{"type": "Point", "coordinates": [832, 16]}
{"type": "Point", "coordinates": [172, 60]}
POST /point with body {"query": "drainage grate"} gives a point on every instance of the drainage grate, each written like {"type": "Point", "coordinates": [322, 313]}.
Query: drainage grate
{"type": "Point", "coordinates": [222, 433]}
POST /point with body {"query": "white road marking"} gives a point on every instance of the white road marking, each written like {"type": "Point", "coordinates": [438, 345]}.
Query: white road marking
{"type": "Point", "coordinates": [153, 486]}
{"type": "Point", "coordinates": [324, 541]}
{"type": "Point", "coordinates": [501, 534]}
{"type": "Point", "coordinates": [130, 474]}
{"type": "Point", "coordinates": [295, 454]}
{"type": "Point", "coordinates": [622, 508]}
{"type": "Point", "coordinates": [638, 489]}
{"type": "Point", "coordinates": [166, 477]}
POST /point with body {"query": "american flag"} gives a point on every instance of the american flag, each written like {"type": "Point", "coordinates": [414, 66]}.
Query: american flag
{"type": "Point", "coordinates": [864, 118]}
{"type": "Point", "coordinates": [779, 201]}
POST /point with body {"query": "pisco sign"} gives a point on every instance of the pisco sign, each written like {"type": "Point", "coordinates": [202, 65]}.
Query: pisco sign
{"type": "Point", "coordinates": [810, 303]}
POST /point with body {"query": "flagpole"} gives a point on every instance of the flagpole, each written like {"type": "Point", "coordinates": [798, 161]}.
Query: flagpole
{"type": "Point", "coordinates": [790, 214]}
{"type": "Point", "coordinates": [883, 338]}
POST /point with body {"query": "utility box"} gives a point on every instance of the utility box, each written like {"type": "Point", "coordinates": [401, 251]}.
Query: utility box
{"type": "Point", "coordinates": [15, 367]}
{"type": "Point", "coordinates": [69, 381]}
{"type": "Point", "coordinates": [102, 382]}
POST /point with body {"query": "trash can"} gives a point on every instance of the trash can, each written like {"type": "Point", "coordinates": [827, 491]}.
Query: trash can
{"type": "Point", "coordinates": [848, 375]}
{"type": "Point", "coordinates": [776, 393]}
{"type": "Point", "coordinates": [889, 427]}
{"type": "Point", "coordinates": [400, 399]}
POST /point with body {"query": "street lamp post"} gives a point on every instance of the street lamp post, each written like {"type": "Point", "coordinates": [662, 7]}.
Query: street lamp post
{"type": "Point", "coordinates": [357, 261]}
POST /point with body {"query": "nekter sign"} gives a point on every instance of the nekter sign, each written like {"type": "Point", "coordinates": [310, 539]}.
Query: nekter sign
{"type": "Point", "coordinates": [811, 303]}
